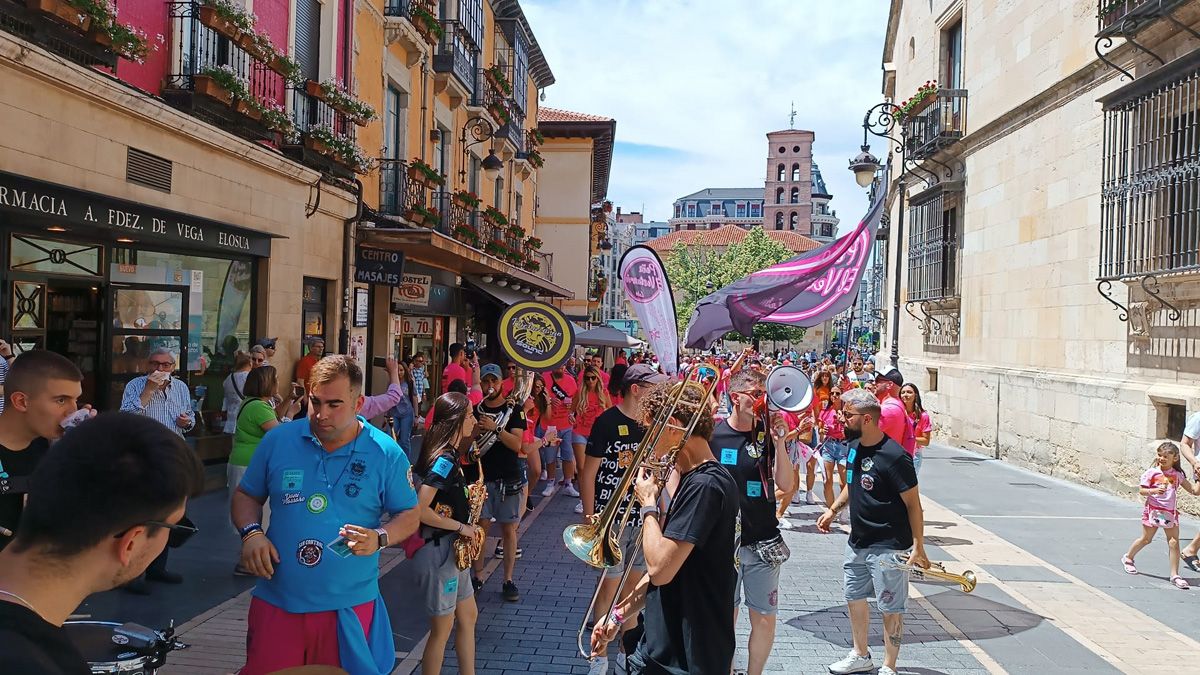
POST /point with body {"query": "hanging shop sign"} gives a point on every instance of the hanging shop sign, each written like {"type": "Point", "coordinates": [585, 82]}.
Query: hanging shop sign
{"type": "Point", "coordinates": [66, 206]}
{"type": "Point", "coordinates": [413, 290]}
{"type": "Point", "coordinates": [378, 266]}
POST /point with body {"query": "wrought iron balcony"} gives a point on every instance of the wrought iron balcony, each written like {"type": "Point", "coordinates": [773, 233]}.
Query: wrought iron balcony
{"type": "Point", "coordinates": [939, 125]}
{"type": "Point", "coordinates": [513, 133]}
{"type": "Point", "coordinates": [201, 58]}
{"type": "Point", "coordinates": [456, 56]}
{"type": "Point", "coordinates": [393, 186]}
{"type": "Point", "coordinates": [311, 113]}
{"type": "Point", "coordinates": [410, 23]}
{"type": "Point", "coordinates": [1127, 17]}
{"type": "Point", "coordinates": [60, 29]}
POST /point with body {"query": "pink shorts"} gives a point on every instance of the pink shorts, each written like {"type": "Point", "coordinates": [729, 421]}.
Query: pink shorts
{"type": "Point", "coordinates": [276, 639]}
{"type": "Point", "coordinates": [1159, 518]}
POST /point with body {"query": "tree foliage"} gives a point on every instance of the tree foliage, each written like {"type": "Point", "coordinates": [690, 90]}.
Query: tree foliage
{"type": "Point", "coordinates": [691, 268]}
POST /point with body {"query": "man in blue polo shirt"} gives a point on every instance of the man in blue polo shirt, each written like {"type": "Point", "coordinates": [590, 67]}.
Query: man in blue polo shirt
{"type": "Point", "coordinates": [329, 478]}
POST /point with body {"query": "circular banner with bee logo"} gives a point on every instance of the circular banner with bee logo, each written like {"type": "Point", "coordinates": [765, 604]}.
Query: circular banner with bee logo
{"type": "Point", "coordinates": [536, 336]}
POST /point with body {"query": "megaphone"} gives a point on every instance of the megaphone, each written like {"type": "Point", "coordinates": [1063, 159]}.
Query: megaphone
{"type": "Point", "coordinates": [788, 389]}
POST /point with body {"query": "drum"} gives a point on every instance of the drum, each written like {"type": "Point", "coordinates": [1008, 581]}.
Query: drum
{"type": "Point", "coordinates": [104, 654]}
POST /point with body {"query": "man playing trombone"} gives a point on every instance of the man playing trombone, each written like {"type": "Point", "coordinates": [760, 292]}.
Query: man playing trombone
{"type": "Point", "coordinates": [687, 594]}
{"type": "Point", "coordinates": [885, 521]}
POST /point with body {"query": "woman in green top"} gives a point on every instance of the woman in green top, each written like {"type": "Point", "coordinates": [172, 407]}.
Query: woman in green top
{"type": "Point", "coordinates": [255, 418]}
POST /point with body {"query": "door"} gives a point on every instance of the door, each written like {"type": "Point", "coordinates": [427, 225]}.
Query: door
{"type": "Point", "coordinates": [145, 317]}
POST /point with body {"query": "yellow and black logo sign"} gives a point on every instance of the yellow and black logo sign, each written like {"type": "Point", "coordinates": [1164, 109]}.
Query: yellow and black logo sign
{"type": "Point", "coordinates": [536, 335]}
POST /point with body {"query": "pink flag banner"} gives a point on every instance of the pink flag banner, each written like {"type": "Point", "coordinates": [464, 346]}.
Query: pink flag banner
{"type": "Point", "coordinates": [802, 291]}
{"type": "Point", "coordinates": [645, 283]}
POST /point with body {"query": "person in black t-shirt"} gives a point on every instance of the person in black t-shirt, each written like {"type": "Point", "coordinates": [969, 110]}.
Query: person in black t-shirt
{"type": "Point", "coordinates": [102, 504]}
{"type": "Point", "coordinates": [43, 389]}
{"type": "Point", "coordinates": [885, 521]}
{"type": "Point", "coordinates": [502, 473]}
{"type": "Point", "coordinates": [611, 446]}
{"type": "Point", "coordinates": [445, 589]}
{"type": "Point", "coordinates": [687, 593]}
{"type": "Point", "coordinates": [758, 465]}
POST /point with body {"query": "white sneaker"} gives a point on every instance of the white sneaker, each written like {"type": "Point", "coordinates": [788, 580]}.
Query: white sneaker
{"type": "Point", "coordinates": [549, 490]}
{"type": "Point", "coordinates": [579, 507]}
{"type": "Point", "coordinates": [570, 490]}
{"type": "Point", "coordinates": [809, 498]}
{"type": "Point", "coordinates": [785, 524]}
{"type": "Point", "coordinates": [853, 663]}
{"type": "Point", "coordinates": [543, 474]}
{"type": "Point", "coordinates": [796, 498]}
{"type": "Point", "coordinates": [884, 670]}
{"type": "Point", "coordinates": [599, 666]}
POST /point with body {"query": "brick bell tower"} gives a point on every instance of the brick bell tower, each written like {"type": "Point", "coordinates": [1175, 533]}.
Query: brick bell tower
{"type": "Point", "coordinates": [788, 190]}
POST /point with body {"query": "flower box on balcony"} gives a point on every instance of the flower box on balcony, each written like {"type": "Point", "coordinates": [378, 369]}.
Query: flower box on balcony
{"type": "Point", "coordinates": [209, 16]}
{"type": "Point", "coordinates": [426, 23]}
{"type": "Point", "coordinates": [921, 100]}
{"type": "Point", "coordinates": [248, 109]}
{"type": "Point", "coordinates": [317, 146]}
{"type": "Point", "coordinates": [63, 12]}
{"type": "Point", "coordinates": [466, 234]}
{"type": "Point", "coordinates": [207, 86]}
{"type": "Point", "coordinates": [256, 49]}
{"type": "Point", "coordinates": [466, 200]}
{"type": "Point", "coordinates": [532, 265]}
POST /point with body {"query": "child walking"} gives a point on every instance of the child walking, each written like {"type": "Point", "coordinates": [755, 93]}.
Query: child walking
{"type": "Point", "coordinates": [1160, 485]}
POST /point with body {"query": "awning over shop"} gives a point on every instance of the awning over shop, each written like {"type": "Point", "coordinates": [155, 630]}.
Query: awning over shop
{"type": "Point", "coordinates": [505, 296]}
{"type": "Point", "coordinates": [436, 249]}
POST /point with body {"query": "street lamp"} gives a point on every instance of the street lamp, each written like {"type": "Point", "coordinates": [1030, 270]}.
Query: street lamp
{"type": "Point", "coordinates": [880, 121]}
{"type": "Point", "coordinates": [481, 130]}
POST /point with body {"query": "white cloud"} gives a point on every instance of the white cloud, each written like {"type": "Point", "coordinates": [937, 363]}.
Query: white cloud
{"type": "Point", "coordinates": [709, 79]}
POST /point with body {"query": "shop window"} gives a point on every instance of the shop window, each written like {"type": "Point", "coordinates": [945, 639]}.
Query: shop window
{"type": "Point", "coordinates": [314, 308]}
{"type": "Point", "coordinates": [33, 254]}
{"type": "Point", "coordinates": [28, 306]}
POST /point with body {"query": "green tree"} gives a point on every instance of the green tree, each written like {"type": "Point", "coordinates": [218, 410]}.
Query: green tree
{"type": "Point", "coordinates": [691, 269]}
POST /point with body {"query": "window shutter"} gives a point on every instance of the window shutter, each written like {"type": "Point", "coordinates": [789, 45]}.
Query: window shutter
{"type": "Point", "coordinates": [308, 38]}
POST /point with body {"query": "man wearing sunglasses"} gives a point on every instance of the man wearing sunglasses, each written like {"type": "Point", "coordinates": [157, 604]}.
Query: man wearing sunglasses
{"type": "Point", "coordinates": [103, 503]}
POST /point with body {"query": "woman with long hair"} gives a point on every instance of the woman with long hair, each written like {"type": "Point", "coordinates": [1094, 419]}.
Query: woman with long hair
{"type": "Point", "coordinates": [257, 415]}
{"type": "Point", "coordinates": [922, 425]}
{"type": "Point", "coordinates": [615, 378]}
{"type": "Point", "coordinates": [234, 386]}
{"type": "Point", "coordinates": [405, 411]}
{"type": "Point", "coordinates": [590, 400]}
{"type": "Point", "coordinates": [537, 410]}
{"type": "Point", "coordinates": [445, 512]}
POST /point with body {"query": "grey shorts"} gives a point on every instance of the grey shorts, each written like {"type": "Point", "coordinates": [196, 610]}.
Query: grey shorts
{"type": "Point", "coordinates": [439, 582]}
{"type": "Point", "coordinates": [628, 540]}
{"type": "Point", "coordinates": [866, 574]}
{"type": "Point", "coordinates": [498, 508]}
{"type": "Point", "coordinates": [760, 581]}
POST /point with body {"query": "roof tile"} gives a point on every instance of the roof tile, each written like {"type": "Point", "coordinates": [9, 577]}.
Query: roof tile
{"type": "Point", "coordinates": [556, 115]}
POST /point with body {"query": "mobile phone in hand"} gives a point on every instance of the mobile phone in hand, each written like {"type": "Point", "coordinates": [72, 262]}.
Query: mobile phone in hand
{"type": "Point", "coordinates": [379, 361]}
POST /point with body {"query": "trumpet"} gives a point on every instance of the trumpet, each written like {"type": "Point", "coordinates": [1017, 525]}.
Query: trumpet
{"type": "Point", "coordinates": [598, 543]}
{"type": "Point", "coordinates": [936, 570]}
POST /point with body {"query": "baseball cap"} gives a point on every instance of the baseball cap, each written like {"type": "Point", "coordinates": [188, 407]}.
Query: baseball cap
{"type": "Point", "coordinates": [641, 373]}
{"type": "Point", "coordinates": [893, 376]}
{"type": "Point", "coordinates": [491, 369]}
{"type": "Point", "coordinates": [268, 342]}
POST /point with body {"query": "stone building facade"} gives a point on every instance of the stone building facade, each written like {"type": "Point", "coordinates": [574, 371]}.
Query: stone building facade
{"type": "Point", "coordinates": [1038, 172]}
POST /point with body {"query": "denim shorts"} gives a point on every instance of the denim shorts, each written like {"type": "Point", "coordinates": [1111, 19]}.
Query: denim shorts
{"type": "Point", "coordinates": [834, 451]}
{"type": "Point", "coordinates": [760, 582]}
{"type": "Point", "coordinates": [578, 438]}
{"type": "Point", "coordinates": [866, 574]}
{"type": "Point", "coordinates": [563, 451]}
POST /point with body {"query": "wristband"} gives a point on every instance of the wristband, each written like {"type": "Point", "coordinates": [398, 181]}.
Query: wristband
{"type": "Point", "coordinates": [647, 510]}
{"type": "Point", "coordinates": [285, 418]}
{"type": "Point", "coordinates": [250, 528]}
{"type": "Point", "coordinates": [617, 617]}
{"type": "Point", "coordinates": [255, 533]}
{"type": "Point", "coordinates": [460, 527]}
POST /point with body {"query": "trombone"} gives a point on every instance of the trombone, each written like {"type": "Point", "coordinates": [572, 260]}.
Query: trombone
{"type": "Point", "coordinates": [598, 543]}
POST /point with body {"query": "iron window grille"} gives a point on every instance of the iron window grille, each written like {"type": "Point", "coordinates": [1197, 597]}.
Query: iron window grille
{"type": "Point", "coordinates": [1150, 195]}
{"type": "Point", "coordinates": [933, 243]}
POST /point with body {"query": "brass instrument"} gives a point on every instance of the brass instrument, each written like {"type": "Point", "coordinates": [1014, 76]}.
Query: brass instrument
{"type": "Point", "coordinates": [598, 543]}
{"type": "Point", "coordinates": [936, 570]}
{"type": "Point", "coordinates": [468, 549]}
{"type": "Point", "coordinates": [516, 398]}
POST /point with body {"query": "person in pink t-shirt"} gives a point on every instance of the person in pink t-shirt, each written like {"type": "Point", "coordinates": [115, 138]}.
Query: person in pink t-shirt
{"type": "Point", "coordinates": [1160, 486]}
{"type": "Point", "coordinates": [454, 369]}
{"type": "Point", "coordinates": [893, 418]}
{"type": "Point", "coordinates": [561, 387]}
{"type": "Point", "coordinates": [922, 425]}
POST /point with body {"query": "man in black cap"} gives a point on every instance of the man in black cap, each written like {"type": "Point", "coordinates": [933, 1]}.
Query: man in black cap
{"type": "Point", "coordinates": [615, 436]}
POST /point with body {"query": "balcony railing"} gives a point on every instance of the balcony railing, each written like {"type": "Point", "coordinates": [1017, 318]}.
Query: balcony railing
{"type": "Point", "coordinates": [933, 248]}
{"type": "Point", "coordinates": [514, 134]}
{"type": "Point", "coordinates": [399, 8]}
{"type": "Point", "coordinates": [310, 112]}
{"type": "Point", "coordinates": [1127, 17]}
{"type": "Point", "coordinates": [939, 125]}
{"type": "Point", "coordinates": [1149, 221]}
{"type": "Point", "coordinates": [198, 51]}
{"type": "Point", "coordinates": [46, 30]}
{"type": "Point", "coordinates": [456, 56]}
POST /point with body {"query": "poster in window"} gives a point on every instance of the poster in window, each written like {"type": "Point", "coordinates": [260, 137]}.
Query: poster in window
{"type": "Point", "coordinates": [362, 307]}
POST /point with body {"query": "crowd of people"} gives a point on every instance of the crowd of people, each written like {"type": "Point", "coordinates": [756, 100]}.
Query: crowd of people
{"type": "Point", "coordinates": [316, 491]}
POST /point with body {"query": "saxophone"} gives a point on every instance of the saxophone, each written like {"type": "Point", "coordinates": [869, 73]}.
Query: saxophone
{"type": "Point", "coordinates": [468, 549]}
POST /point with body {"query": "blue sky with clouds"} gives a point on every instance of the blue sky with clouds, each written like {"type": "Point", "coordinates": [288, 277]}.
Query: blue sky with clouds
{"type": "Point", "coordinates": [695, 85]}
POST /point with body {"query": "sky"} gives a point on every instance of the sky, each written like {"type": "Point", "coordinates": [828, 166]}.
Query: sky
{"type": "Point", "coordinates": [695, 85]}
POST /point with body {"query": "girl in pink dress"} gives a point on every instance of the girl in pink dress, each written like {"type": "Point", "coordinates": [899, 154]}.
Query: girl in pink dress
{"type": "Point", "coordinates": [1160, 486]}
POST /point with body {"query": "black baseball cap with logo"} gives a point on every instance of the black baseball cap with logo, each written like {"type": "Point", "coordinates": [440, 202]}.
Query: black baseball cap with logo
{"type": "Point", "coordinates": [641, 373]}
